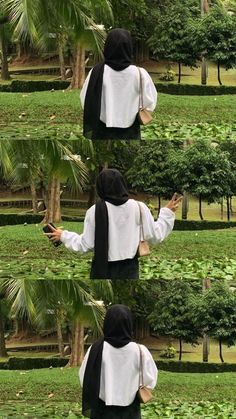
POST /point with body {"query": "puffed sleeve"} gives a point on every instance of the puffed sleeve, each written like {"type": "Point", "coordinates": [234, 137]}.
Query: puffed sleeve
{"type": "Point", "coordinates": [149, 91]}
{"type": "Point", "coordinates": [150, 371]}
{"type": "Point", "coordinates": [85, 241]}
{"type": "Point", "coordinates": [84, 89]}
{"type": "Point", "coordinates": [157, 231]}
{"type": "Point", "coordinates": [83, 366]}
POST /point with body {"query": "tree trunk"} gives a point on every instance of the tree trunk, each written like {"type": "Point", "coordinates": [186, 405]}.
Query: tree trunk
{"type": "Point", "coordinates": [180, 71]}
{"type": "Point", "coordinates": [78, 67]}
{"type": "Point", "coordinates": [221, 353]}
{"type": "Point", "coordinates": [141, 51]}
{"type": "Point", "coordinates": [206, 284]}
{"type": "Point", "coordinates": [200, 207]}
{"type": "Point", "coordinates": [53, 211]}
{"type": "Point", "coordinates": [92, 189]}
{"type": "Point", "coordinates": [3, 351]}
{"type": "Point", "coordinates": [77, 346]}
{"type": "Point", "coordinates": [231, 205]}
{"type": "Point", "coordinates": [228, 208]}
{"type": "Point", "coordinates": [59, 335]}
{"type": "Point", "coordinates": [218, 72]}
{"type": "Point", "coordinates": [61, 46]}
{"type": "Point", "coordinates": [204, 71]}
{"type": "Point", "coordinates": [159, 205]}
{"type": "Point", "coordinates": [180, 349]}
{"type": "Point", "coordinates": [34, 197]}
{"type": "Point", "coordinates": [5, 75]}
{"type": "Point", "coordinates": [222, 209]}
{"type": "Point", "coordinates": [185, 206]}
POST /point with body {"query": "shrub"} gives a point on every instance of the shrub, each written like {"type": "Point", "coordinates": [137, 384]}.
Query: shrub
{"type": "Point", "coordinates": [200, 367]}
{"type": "Point", "coordinates": [168, 353]}
{"type": "Point", "coordinates": [169, 75]}
{"type": "Point", "coordinates": [194, 90]}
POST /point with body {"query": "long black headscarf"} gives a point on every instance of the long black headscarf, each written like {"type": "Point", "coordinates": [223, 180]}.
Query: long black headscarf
{"type": "Point", "coordinates": [117, 330]}
{"type": "Point", "coordinates": [118, 52]}
{"type": "Point", "coordinates": [111, 187]}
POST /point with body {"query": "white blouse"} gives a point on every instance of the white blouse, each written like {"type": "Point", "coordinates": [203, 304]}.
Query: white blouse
{"type": "Point", "coordinates": [123, 231]}
{"type": "Point", "coordinates": [120, 369]}
{"type": "Point", "coordinates": [120, 95]}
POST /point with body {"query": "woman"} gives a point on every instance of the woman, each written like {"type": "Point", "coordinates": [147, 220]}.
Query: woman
{"type": "Point", "coordinates": [111, 93]}
{"type": "Point", "coordinates": [112, 229]}
{"type": "Point", "coordinates": [110, 370]}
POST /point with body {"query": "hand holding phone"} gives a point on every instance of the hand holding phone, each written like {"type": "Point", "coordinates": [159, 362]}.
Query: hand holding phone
{"type": "Point", "coordinates": [53, 234]}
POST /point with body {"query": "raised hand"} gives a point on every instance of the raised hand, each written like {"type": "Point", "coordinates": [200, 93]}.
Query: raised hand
{"type": "Point", "coordinates": [174, 202]}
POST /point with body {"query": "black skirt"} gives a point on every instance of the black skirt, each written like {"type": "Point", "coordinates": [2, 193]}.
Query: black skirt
{"type": "Point", "coordinates": [132, 411]}
{"type": "Point", "coordinates": [121, 269]}
{"type": "Point", "coordinates": [130, 133]}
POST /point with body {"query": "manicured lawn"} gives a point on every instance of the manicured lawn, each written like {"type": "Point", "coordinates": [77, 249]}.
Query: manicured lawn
{"type": "Point", "coordinates": [55, 393]}
{"type": "Point", "coordinates": [38, 107]}
{"type": "Point", "coordinates": [26, 253]}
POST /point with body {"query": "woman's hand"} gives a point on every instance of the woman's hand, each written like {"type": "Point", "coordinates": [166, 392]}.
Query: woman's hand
{"type": "Point", "coordinates": [174, 202]}
{"type": "Point", "coordinates": [55, 235]}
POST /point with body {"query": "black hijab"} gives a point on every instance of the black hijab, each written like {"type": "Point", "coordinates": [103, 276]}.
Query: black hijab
{"type": "Point", "coordinates": [118, 52]}
{"type": "Point", "coordinates": [117, 331]}
{"type": "Point", "coordinates": [111, 187]}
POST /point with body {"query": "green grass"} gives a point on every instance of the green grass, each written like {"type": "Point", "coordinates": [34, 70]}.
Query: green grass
{"type": "Point", "coordinates": [39, 106]}
{"type": "Point", "coordinates": [26, 253]}
{"type": "Point", "coordinates": [64, 384]}
{"type": "Point", "coordinates": [55, 393]}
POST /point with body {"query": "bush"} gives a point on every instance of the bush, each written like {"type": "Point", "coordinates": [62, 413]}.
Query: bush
{"type": "Point", "coordinates": [169, 75]}
{"type": "Point", "coordinates": [202, 225]}
{"type": "Point", "coordinates": [16, 219]}
{"type": "Point", "coordinates": [34, 86]}
{"type": "Point", "coordinates": [168, 353]}
{"type": "Point", "coordinates": [194, 90]}
{"type": "Point", "coordinates": [201, 367]}
{"type": "Point", "coordinates": [33, 363]}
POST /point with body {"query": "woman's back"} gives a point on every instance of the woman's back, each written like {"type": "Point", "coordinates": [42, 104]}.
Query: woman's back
{"type": "Point", "coordinates": [120, 373]}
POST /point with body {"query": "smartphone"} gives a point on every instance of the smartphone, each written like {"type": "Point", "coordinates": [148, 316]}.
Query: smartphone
{"type": "Point", "coordinates": [46, 229]}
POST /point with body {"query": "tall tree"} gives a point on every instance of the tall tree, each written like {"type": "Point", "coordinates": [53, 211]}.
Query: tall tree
{"type": "Point", "coordinates": [173, 33]}
{"type": "Point", "coordinates": [35, 19]}
{"type": "Point", "coordinates": [4, 37]}
{"type": "Point", "coordinates": [172, 314]}
{"type": "Point", "coordinates": [215, 313]}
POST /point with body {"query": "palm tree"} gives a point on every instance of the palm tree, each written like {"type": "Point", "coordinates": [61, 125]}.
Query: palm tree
{"type": "Point", "coordinates": [37, 18]}
{"type": "Point", "coordinates": [4, 37]}
{"type": "Point", "coordinates": [40, 300]}
{"type": "Point", "coordinates": [47, 163]}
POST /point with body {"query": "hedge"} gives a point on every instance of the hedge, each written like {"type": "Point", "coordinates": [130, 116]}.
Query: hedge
{"type": "Point", "coordinates": [168, 88]}
{"type": "Point", "coordinates": [16, 219]}
{"type": "Point", "coordinates": [27, 86]}
{"type": "Point", "coordinates": [164, 365]}
{"type": "Point", "coordinates": [203, 225]}
{"type": "Point", "coordinates": [194, 89]}
{"type": "Point", "coordinates": [200, 367]}
{"type": "Point", "coordinates": [32, 363]}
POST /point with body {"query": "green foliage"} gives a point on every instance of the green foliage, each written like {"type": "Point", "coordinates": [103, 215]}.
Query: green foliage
{"type": "Point", "coordinates": [168, 353]}
{"type": "Point", "coordinates": [172, 35]}
{"type": "Point", "coordinates": [153, 177]}
{"type": "Point", "coordinates": [169, 75]}
{"type": "Point", "coordinates": [216, 313]}
{"type": "Point", "coordinates": [15, 363]}
{"type": "Point", "coordinates": [194, 89]}
{"type": "Point", "coordinates": [26, 86]}
{"type": "Point", "coordinates": [172, 313]}
{"type": "Point", "coordinates": [216, 34]}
